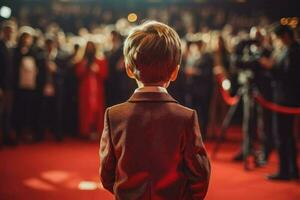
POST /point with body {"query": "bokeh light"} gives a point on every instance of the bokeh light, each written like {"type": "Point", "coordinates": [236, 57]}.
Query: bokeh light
{"type": "Point", "coordinates": [132, 17]}
{"type": "Point", "coordinates": [5, 12]}
{"type": "Point", "coordinates": [87, 185]}
{"type": "Point", "coordinates": [226, 84]}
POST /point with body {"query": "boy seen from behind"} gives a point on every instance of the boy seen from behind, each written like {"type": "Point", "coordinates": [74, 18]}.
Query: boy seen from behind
{"type": "Point", "coordinates": [151, 146]}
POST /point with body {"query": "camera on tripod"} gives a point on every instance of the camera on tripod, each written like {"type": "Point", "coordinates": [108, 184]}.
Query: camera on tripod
{"type": "Point", "coordinates": [248, 54]}
{"type": "Point", "coordinates": [247, 57]}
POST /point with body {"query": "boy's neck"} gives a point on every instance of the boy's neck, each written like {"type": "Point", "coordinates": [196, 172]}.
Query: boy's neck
{"type": "Point", "coordinates": [161, 84]}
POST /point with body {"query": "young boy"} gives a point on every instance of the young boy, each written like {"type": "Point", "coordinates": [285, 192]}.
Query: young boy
{"type": "Point", "coordinates": [151, 147]}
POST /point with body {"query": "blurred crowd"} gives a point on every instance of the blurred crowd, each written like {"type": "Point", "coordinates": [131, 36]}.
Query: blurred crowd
{"type": "Point", "coordinates": [185, 18]}
{"type": "Point", "coordinates": [60, 70]}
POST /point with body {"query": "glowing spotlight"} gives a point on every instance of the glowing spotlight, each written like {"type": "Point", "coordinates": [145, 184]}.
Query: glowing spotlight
{"type": "Point", "coordinates": [55, 176]}
{"type": "Point", "coordinates": [226, 84]}
{"type": "Point", "coordinates": [88, 185]}
{"type": "Point", "coordinates": [132, 17]}
{"type": "Point", "coordinates": [5, 12]}
{"type": "Point", "coordinates": [38, 184]}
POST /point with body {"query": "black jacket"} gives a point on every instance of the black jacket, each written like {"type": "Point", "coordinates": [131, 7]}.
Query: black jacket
{"type": "Point", "coordinates": [287, 75]}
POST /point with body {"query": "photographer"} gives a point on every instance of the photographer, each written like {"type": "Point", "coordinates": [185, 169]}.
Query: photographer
{"type": "Point", "coordinates": [252, 76]}
{"type": "Point", "coordinates": [286, 70]}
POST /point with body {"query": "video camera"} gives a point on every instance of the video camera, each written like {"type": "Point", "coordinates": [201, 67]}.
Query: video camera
{"type": "Point", "coordinates": [248, 53]}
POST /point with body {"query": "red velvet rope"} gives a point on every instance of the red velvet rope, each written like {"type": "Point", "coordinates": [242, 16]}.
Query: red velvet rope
{"type": "Point", "coordinates": [260, 99]}
{"type": "Point", "coordinates": [275, 107]}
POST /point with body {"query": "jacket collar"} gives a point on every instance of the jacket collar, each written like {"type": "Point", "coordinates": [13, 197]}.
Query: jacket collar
{"type": "Point", "coordinates": [151, 97]}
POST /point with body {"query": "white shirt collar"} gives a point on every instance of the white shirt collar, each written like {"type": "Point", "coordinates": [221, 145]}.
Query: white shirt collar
{"type": "Point", "coordinates": [151, 89]}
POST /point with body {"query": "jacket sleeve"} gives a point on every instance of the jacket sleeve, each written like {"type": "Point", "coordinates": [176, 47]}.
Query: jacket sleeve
{"type": "Point", "coordinates": [196, 162]}
{"type": "Point", "coordinates": [107, 157]}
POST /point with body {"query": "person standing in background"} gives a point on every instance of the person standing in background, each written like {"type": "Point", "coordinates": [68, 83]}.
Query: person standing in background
{"type": "Point", "coordinates": [25, 86]}
{"type": "Point", "coordinates": [286, 70]}
{"type": "Point", "coordinates": [115, 66]}
{"type": "Point", "coordinates": [199, 81]}
{"type": "Point", "coordinates": [91, 72]}
{"type": "Point", "coordinates": [6, 75]}
{"type": "Point", "coordinates": [70, 99]}
{"type": "Point", "coordinates": [117, 80]}
{"type": "Point", "coordinates": [51, 62]}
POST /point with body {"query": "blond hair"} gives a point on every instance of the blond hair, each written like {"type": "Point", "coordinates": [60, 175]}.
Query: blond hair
{"type": "Point", "coordinates": [152, 51]}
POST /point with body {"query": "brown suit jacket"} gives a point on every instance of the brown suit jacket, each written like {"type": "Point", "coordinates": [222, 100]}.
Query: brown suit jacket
{"type": "Point", "coordinates": [151, 148]}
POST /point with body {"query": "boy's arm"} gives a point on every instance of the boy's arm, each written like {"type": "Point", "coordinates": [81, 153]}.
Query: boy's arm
{"type": "Point", "coordinates": [197, 165]}
{"type": "Point", "coordinates": [107, 157]}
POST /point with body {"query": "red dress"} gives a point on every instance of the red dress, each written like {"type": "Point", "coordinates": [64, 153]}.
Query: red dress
{"type": "Point", "coordinates": [91, 95]}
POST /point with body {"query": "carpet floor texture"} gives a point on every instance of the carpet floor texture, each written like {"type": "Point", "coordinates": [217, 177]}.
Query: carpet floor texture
{"type": "Point", "coordinates": [69, 170]}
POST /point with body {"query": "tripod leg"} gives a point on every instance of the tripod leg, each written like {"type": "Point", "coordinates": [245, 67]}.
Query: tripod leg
{"type": "Point", "coordinates": [224, 128]}
{"type": "Point", "coordinates": [249, 128]}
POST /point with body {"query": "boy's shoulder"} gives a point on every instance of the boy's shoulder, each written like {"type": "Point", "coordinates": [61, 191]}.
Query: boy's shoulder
{"type": "Point", "coordinates": [174, 108]}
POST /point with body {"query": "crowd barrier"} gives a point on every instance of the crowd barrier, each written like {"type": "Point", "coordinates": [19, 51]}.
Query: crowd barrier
{"type": "Point", "coordinates": [232, 100]}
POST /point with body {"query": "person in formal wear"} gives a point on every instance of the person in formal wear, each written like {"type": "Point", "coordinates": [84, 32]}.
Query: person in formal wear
{"type": "Point", "coordinates": [118, 86]}
{"type": "Point", "coordinates": [115, 69]}
{"type": "Point", "coordinates": [6, 77]}
{"type": "Point", "coordinates": [70, 96]}
{"type": "Point", "coordinates": [25, 83]}
{"type": "Point", "coordinates": [151, 146]}
{"type": "Point", "coordinates": [91, 72]}
{"type": "Point", "coordinates": [51, 62]}
{"type": "Point", "coordinates": [286, 70]}
{"type": "Point", "coordinates": [199, 82]}
{"type": "Point", "coordinates": [258, 123]}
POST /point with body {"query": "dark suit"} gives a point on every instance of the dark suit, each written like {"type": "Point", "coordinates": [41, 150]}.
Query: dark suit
{"type": "Point", "coordinates": [118, 85]}
{"type": "Point", "coordinates": [151, 148]}
{"type": "Point", "coordinates": [200, 88]}
{"type": "Point", "coordinates": [6, 73]}
{"type": "Point", "coordinates": [287, 92]}
{"type": "Point", "coordinates": [25, 100]}
{"type": "Point", "coordinates": [51, 107]}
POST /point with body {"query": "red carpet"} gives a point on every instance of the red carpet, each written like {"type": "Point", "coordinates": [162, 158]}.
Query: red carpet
{"type": "Point", "coordinates": [52, 170]}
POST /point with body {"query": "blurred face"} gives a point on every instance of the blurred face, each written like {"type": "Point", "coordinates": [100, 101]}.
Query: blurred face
{"type": "Point", "coordinates": [7, 33]}
{"type": "Point", "coordinates": [200, 46]}
{"type": "Point", "coordinates": [276, 41]}
{"type": "Point", "coordinates": [90, 48]}
{"type": "Point", "coordinates": [220, 43]}
{"type": "Point", "coordinates": [285, 38]}
{"type": "Point", "coordinates": [76, 47]}
{"type": "Point", "coordinates": [113, 38]}
{"type": "Point", "coordinates": [27, 40]}
{"type": "Point", "coordinates": [50, 45]}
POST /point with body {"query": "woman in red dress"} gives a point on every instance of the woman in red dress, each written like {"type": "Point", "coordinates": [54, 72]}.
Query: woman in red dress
{"type": "Point", "coordinates": [91, 73]}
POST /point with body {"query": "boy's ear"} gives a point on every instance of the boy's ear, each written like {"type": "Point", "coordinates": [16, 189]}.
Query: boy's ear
{"type": "Point", "coordinates": [174, 73]}
{"type": "Point", "coordinates": [129, 72]}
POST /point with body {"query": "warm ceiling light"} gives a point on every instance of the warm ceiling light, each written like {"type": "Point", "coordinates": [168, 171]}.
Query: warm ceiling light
{"type": "Point", "coordinates": [241, 1]}
{"type": "Point", "coordinates": [132, 17]}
